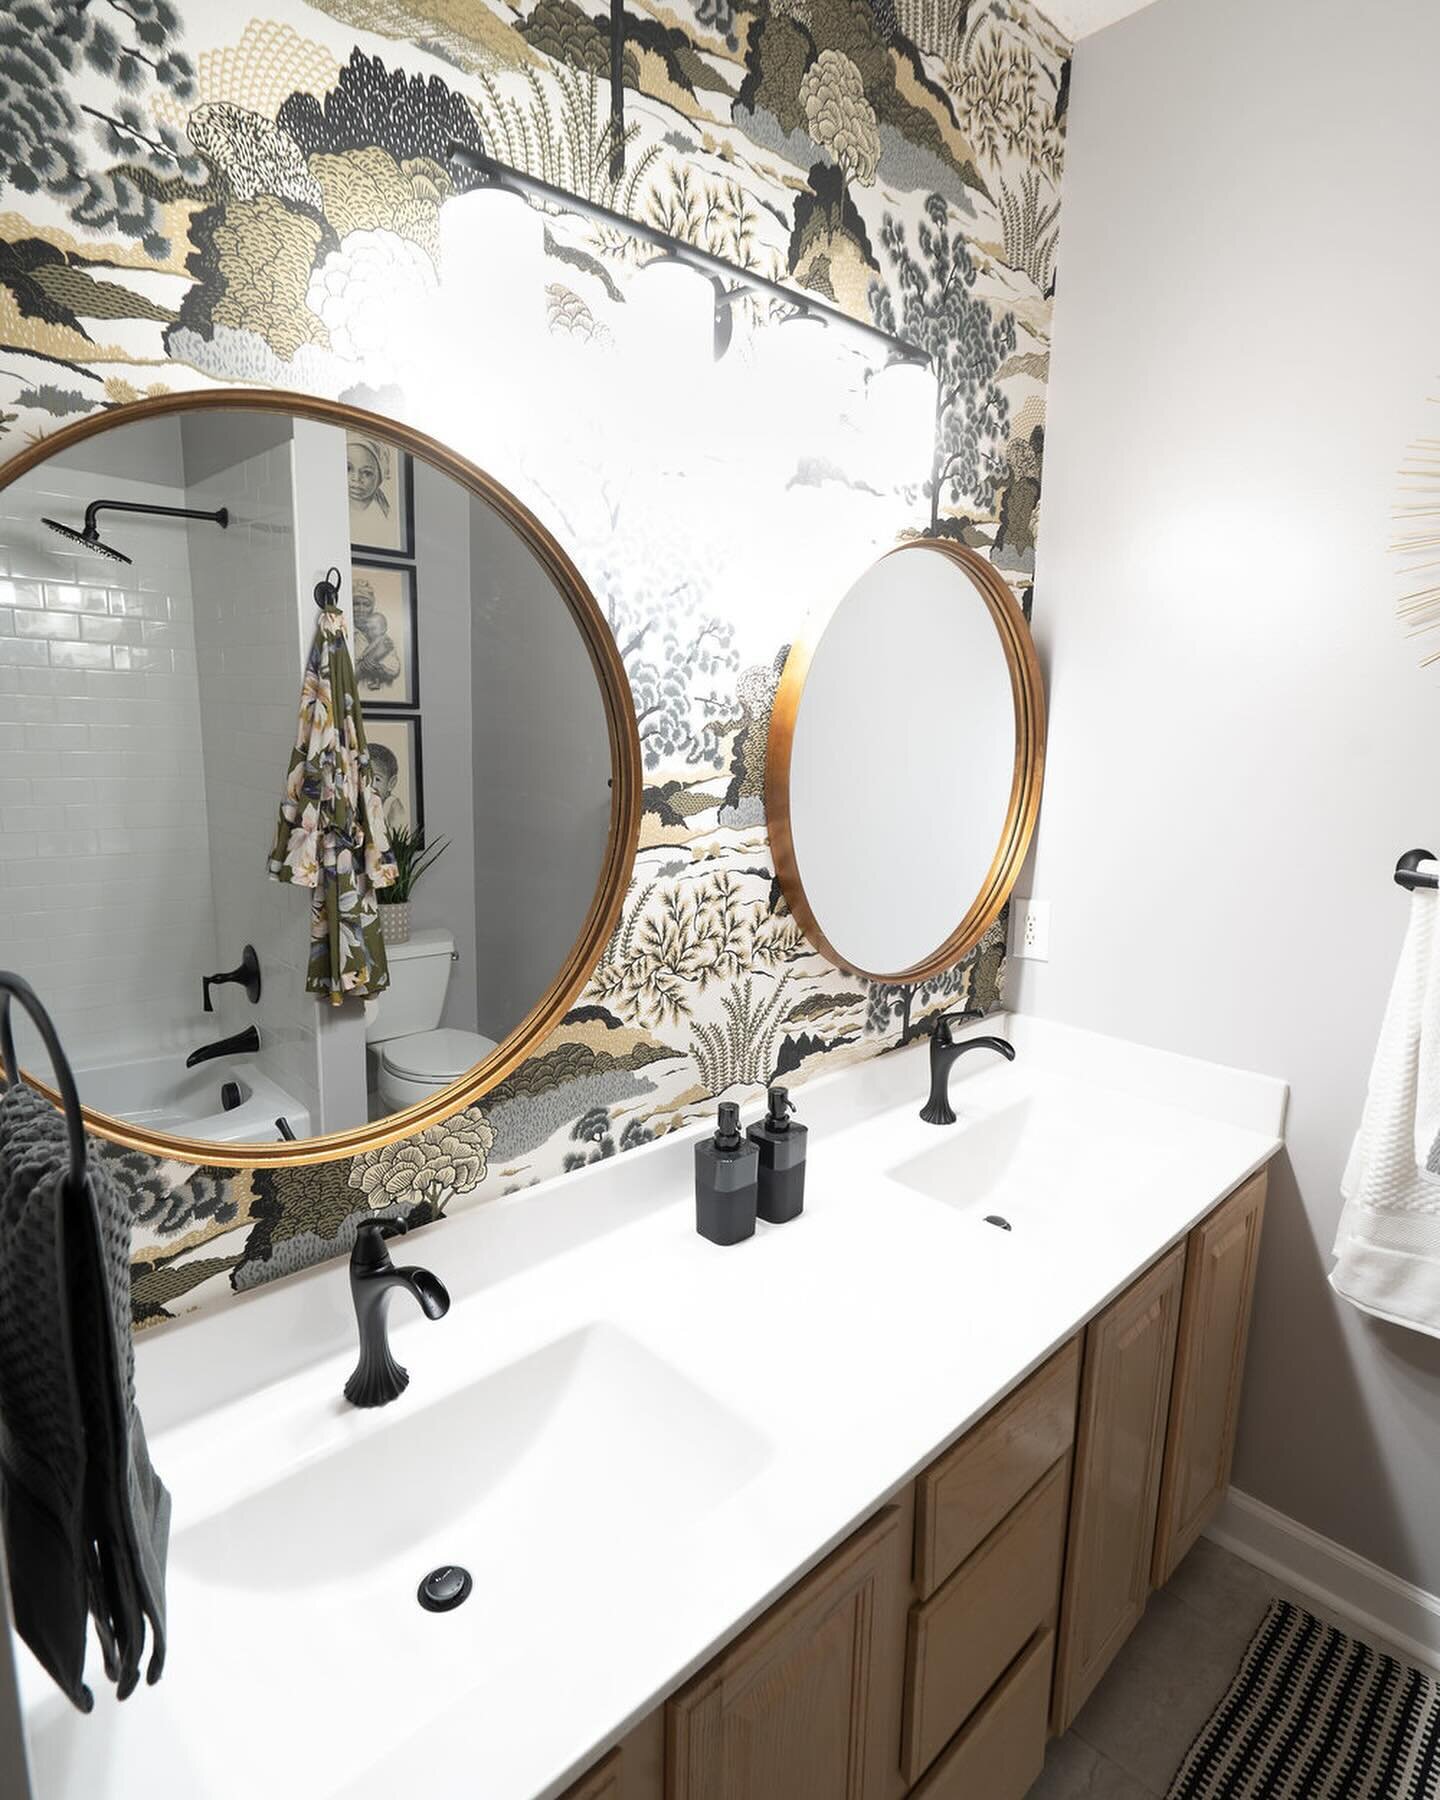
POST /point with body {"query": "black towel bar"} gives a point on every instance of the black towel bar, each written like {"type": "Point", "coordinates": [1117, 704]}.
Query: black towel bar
{"type": "Point", "coordinates": [15, 987]}
{"type": "Point", "coordinates": [1407, 870]}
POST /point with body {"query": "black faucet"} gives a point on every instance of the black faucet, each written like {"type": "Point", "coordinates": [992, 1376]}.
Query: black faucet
{"type": "Point", "coordinates": [945, 1050]}
{"type": "Point", "coordinates": [244, 1041]}
{"type": "Point", "coordinates": [377, 1378]}
{"type": "Point", "coordinates": [248, 972]}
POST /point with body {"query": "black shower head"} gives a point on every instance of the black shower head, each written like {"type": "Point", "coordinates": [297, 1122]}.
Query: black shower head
{"type": "Point", "coordinates": [90, 535]}
{"type": "Point", "coordinates": [90, 539]}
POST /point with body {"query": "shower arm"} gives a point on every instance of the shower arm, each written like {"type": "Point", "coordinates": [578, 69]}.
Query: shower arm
{"type": "Point", "coordinates": [221, 515]}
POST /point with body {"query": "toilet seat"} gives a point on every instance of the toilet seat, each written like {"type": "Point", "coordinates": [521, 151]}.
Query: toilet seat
{"type": "Point", "coordinates": [434, 1058]}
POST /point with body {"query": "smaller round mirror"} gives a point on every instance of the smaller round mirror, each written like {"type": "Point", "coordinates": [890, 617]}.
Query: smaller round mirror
{"type": "Point", "coordinates": [907, 746]}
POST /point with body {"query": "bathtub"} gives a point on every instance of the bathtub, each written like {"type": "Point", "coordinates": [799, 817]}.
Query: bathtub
{"type": "Point", "coordinates": [161, 1094]}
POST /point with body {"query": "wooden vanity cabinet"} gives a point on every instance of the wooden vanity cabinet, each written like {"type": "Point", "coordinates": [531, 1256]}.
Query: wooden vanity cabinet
{"type": "Point", "coordinates": [928, 1655]}
{"type": "Point", "coordinates": [1119, 1454]}
{"type": "Point", "coordinates": [804, 1704]}
{"type": "Point", "coordinates": [1223, 1254]}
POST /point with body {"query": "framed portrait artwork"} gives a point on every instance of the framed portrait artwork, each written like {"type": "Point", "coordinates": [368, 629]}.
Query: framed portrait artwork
{"type": "Point", "coordinates": [381, 481]}
{"type": "Point", "coordinates": [387, 635]}
{"type": "Point", "coordinates": [396, 769]}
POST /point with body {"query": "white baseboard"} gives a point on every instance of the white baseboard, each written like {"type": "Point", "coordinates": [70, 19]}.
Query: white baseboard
{"type": "Point", "coordinates": [1344, 1585]}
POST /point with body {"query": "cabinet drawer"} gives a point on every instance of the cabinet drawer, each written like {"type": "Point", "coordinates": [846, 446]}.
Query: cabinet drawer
{"type": "Point", "coordinates": [1000, 1753]}
{"type": "Point", "coordinates": [964, 1636]}
{"type": "Point", "coordinates": [963, 1496]}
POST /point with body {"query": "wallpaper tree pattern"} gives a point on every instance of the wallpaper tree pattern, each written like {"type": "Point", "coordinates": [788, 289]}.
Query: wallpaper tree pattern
{"type": "Point", "coordinates": [195, 197]}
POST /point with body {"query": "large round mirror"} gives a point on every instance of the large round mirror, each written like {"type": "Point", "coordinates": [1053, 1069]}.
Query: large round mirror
{"type": "Point", "coordinates": [905, 760]}
{"type": "Point", "coordinates": [157, 614]}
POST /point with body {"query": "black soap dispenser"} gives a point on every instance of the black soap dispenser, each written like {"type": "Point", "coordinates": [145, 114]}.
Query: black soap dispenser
{"type": "Point", "coordinates": [781, 1144]}
{"type": "Point", "coordinates": [725, 1181]}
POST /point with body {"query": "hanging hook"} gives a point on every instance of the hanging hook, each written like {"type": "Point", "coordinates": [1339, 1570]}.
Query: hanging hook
{"type": "Point", "coordinates": [12, 987]}
{"type": "Point", "coordinates": [1407, 870]}
{"type": "Point", "coordinates": [327, 591]}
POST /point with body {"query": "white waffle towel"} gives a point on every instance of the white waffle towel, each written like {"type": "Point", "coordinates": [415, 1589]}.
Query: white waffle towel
{"type": "Point", "coordinates": [1387, 1248]}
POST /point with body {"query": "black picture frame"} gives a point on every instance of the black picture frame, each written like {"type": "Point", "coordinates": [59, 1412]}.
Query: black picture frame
{"type": "Point", "coordinates": [383, 731]}
{"type": "Point", "coordinates": [400, 495]}
{"type": "Point", "coordinates": [380, 575]}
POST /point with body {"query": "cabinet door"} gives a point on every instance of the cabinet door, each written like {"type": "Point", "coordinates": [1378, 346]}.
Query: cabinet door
{"type": "Point", "coordinates": [798, 1707]}
{"type": "Point", "coordinates": [1214, 1324]}
{"type": "Point", "coordinates": [602, 1782]}
{"type": "Point", "coordinates": [1124, 1404]}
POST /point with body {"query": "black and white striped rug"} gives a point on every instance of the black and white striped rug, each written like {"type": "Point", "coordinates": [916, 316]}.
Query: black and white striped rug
{"type": "Point", "coordinates": [1316, 1715]}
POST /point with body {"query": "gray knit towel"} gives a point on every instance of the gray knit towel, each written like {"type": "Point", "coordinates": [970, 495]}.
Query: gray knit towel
{"type": "Point", "coordinates": [86, 1519]}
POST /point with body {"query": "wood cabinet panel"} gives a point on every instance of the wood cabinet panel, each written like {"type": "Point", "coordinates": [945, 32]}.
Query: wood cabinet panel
{"type": "Point", "coordinates": [1000, 1753]}
{"type": "Point", "coordinates": [963, 1496]}
{"type": "Point", "coordinates": [600, 1783]}
{"type": "Point", "coordinates": [1223, 1253]}
{"type": "Point", "coordinates": [633, 1770]}
{"type": "Point", "coordinates": [964, 1636]}
{"type": "Point", "coordinates": [797, 1707]}
{"type": "Point", "coordinates": [1120, 1447]}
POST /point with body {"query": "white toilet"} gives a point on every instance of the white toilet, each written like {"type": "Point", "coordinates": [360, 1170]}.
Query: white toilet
{"type": "Point", "coordinates": [414, 1057]}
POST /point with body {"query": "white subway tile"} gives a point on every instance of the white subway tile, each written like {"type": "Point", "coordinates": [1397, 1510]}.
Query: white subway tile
{"type": "Point", "coordinates": [17, 651]}
{"type": "Point", "coordinates": [56, 737]}
{"type": "Point", "coordinates": [80, 656]}
{"type": "Point", "coordinates": [111, 630]}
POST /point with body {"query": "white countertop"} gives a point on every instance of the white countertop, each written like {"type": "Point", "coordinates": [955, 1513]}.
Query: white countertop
{"type": "Point", "coordinates": [634, 1440]}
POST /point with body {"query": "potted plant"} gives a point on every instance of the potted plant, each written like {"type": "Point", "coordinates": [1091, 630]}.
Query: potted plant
{"type": "Point", "coordinates": [412, 859]}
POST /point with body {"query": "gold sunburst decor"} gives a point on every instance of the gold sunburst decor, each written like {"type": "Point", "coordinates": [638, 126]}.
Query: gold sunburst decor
{"type": "Point", "coordinates": [1417, 543]}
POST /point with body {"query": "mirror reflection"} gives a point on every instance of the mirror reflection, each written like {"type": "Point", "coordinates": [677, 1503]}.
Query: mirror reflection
{"type": "Point", "coordinates": [157, 611]}
{"type": "Point", "coordinates": [941, 795]}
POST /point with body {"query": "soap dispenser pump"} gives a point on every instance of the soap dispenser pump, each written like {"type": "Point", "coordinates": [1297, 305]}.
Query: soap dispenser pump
{"type": "Point", "coordinates": [725, 1181]}
{"type": "Point", "coordinates": [781, 1145]}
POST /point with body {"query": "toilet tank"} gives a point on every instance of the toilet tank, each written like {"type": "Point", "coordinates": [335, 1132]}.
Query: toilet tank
{"type": "Point", "coordinates": [415, 998]}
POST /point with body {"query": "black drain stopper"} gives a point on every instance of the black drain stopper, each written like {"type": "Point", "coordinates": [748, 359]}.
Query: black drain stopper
{"type": "Point", "coordinates": [444, 1588]}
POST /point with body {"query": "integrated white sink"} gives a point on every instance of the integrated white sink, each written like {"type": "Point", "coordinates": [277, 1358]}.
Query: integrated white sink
{"type": "Point", "coordinates": [561, 1447]}
{"type": "Point", "coordinates": [1051, 1163]}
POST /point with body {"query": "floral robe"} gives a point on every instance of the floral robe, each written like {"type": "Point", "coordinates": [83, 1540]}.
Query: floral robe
{"type": "Point", "coordinates": [331, 833]}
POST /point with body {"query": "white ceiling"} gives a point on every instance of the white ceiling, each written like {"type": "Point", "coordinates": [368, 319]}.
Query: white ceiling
{"type": "Point", "coordinates": [1078, 18]}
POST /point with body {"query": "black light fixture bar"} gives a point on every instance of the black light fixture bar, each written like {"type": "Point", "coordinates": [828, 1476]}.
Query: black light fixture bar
{"type": "Point", "coordinates": [517, 181]}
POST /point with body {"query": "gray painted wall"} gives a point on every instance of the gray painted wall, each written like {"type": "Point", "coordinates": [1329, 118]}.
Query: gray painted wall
{"type": "Point", "coordinates": [446, 894]}
{"type": "Point", "coordinates": [541, 755]}
{"type": "Point", "coordinates": [1241, 742]}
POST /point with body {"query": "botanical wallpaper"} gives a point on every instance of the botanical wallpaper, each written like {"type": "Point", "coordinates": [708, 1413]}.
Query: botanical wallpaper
{"type": "Point", "coordinates": [196, 195]}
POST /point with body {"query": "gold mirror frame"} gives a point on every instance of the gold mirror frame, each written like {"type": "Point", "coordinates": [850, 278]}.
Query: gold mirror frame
{"type": "Point", "coordinates": [625, 769]}
{"type": "Point", "coordinates": [1028, 691]}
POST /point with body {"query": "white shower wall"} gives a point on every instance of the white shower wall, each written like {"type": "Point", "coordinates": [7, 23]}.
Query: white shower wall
{"type": "Point", "coordinates": [104, 874]}
{"type": "Point", "coordinates": [248, 661]}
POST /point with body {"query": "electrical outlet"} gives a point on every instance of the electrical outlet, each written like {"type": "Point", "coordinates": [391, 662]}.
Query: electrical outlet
{"type": "Point", "coordinates": [1030, 935]}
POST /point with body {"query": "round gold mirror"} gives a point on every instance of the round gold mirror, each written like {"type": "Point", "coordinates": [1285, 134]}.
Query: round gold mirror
{"type": "Point", "coordinates": [899, 822]}
{"type": "Point", "coordinates": [157, 612]}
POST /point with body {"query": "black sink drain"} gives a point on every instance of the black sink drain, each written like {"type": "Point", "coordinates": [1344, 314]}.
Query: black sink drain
{"type": "Point", "coordinates": [444, 1588]}
{"type": "Point", "coordinates": [995, 1219]}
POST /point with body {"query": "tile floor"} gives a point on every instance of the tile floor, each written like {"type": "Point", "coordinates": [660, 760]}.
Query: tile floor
{"type": "Point", "coordinates": [1134, 1730]}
